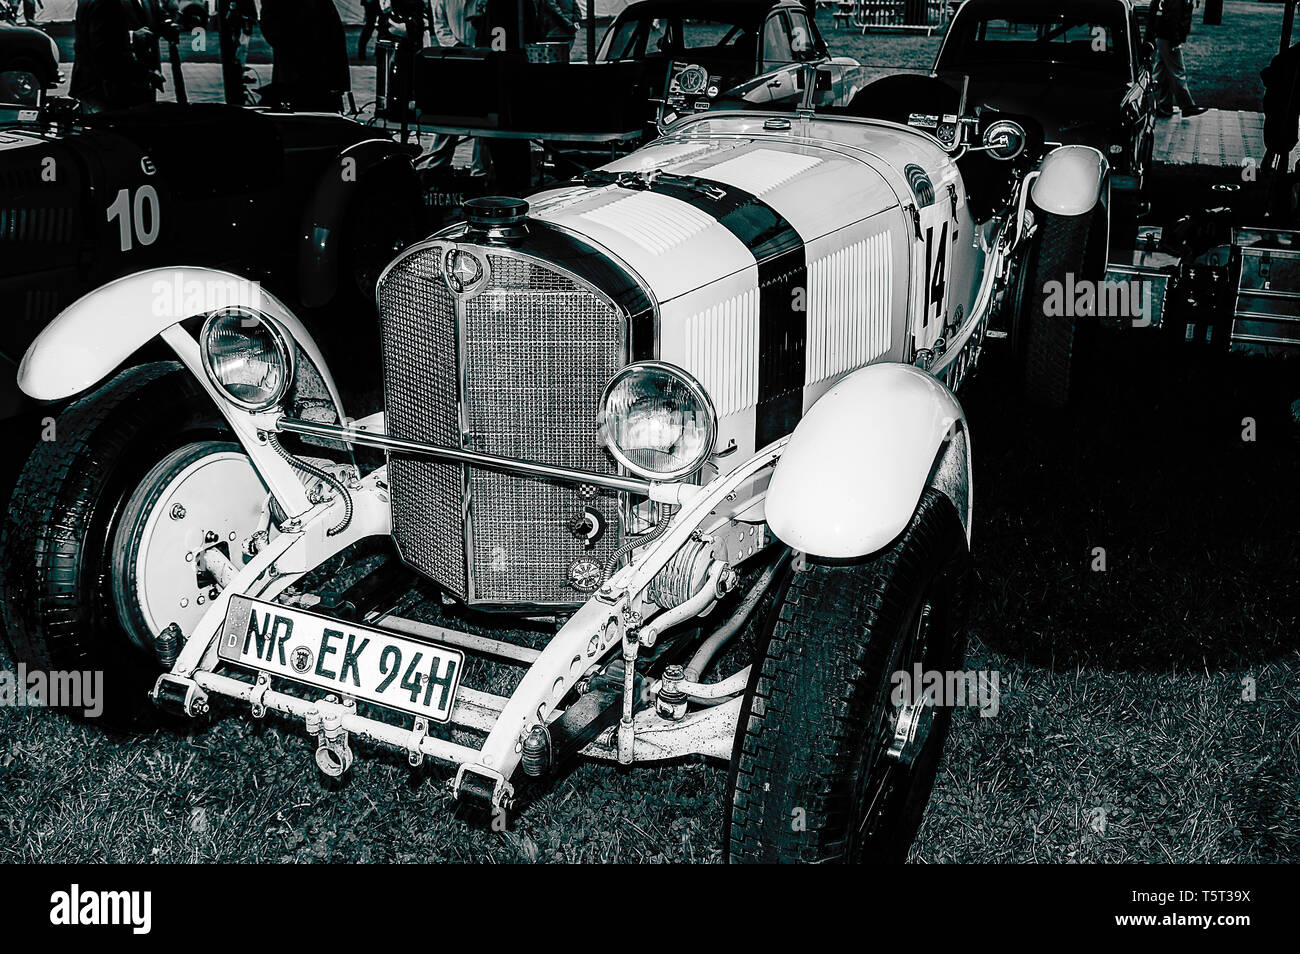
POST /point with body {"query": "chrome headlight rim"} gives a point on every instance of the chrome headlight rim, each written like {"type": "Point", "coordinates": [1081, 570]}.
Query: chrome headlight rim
{"type": "Point", "coordinates": [279, 339]}
{"type": "Point", "coordinates": [696, 390]}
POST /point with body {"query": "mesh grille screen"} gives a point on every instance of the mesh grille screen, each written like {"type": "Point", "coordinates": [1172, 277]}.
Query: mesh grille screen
{"type": "Point", "coordinates": [420, 397]}
{"type": "Point", "coordinates": [537, 353]}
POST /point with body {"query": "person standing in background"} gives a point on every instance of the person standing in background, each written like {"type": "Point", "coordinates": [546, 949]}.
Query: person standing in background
{"type": "Point", "coordinates": [1170, 24]}
{"type": "Point", "coordinates": [310, 48]}
{"type": "Point", "coordinates": [29, 11]}
{"type": "Point", "coordinates": [235, 22]}
{"type": "Point", "coordinates": [456, 23]}
{"type": "Point", "coordinates": [106, 74]}
{"type": "Point", "coordinates": [371, 10]}
{"type": "Point", "coordinates": [557, 20]}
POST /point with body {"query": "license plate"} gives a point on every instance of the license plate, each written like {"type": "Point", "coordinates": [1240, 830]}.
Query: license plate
{"type": "Point", "coordinates": [351, 660]}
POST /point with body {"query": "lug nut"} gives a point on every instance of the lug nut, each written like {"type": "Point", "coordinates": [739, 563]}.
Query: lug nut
{"type": "Point", "coordinates": [178, 511]}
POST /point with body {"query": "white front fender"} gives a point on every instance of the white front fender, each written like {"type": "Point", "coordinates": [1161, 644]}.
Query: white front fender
{"type": "Point", "coordinates": [94, 335]}
{"type": "Point", "coordinates": [1072, 179]}
{"type": "Point", "coordinates": [856, 465]}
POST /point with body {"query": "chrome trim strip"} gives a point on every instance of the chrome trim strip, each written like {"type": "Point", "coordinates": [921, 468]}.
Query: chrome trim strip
{"type": "Point", "coordinates": [527, 468]}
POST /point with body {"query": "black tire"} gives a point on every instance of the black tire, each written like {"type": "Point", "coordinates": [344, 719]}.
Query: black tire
{"type": "Point", "coordinates": [56, 549]}
{"type": "Point", "coordinates": [811, 739]}
{"type": "Point", "coordinates": [1046, 345]}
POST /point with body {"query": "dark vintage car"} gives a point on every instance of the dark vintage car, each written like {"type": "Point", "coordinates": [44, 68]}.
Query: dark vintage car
{"type": "Point", "coordinates": [309, 205]}
{"type": "Point", "coordinates": [29, 50]}
{"type": "Point", "coordinates": [729, 43]}
{"type": "Point", "coordinates": [1080, 67]}
{"type": "Point", "coordinates": [655, 52]}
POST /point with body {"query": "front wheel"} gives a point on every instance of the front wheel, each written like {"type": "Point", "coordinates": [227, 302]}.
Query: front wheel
{"type": "Point", "coordinates": [104, 541]}
{"type": "Point", "coordinates": [1066, 253]}
{"type": "Point", "coordinates": [818, 773]}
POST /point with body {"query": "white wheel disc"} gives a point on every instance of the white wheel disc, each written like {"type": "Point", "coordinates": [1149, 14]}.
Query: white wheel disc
{"type": "Point", "coordinates": [199, 497]}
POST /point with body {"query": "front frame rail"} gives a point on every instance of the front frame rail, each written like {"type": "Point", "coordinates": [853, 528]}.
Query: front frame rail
{"type": "Point", "coordinates": [586, 641]}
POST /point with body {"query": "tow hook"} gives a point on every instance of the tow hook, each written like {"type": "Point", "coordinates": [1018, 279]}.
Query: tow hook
{"type": "Point", "coordinates": [334, 755]}
{"type": "Point", "coordinates": [482, 790]}
{"type": "Point", "coordinates": [177, 696]}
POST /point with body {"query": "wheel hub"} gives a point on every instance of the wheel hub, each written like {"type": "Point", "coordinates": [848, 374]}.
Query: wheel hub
{"type": "Point", "coordinates": [214, 501]}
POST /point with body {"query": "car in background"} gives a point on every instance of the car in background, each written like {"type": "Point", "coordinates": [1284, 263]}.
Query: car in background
{"type": "Point", "coordinates": [309, 205]}
{"type": "Point", "coordinates": [29, 50]}
{"type": "Point", "coordinates": [1079, 67]}
{"type": "Point", "coordinates": [659, 60]}
{"type": "Point", "coordinates": [717, 45]}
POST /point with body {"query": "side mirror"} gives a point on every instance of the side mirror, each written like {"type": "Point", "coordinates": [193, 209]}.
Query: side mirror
{"type": "Point", "coordinates": [1004, 140]}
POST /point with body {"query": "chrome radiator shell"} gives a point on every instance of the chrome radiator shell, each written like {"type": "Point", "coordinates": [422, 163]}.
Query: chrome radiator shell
{"type": "Point", "coordinates": [513, 366]}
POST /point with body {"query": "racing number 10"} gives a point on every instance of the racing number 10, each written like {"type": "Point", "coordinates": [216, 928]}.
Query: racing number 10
{"type": "Point", "coordinates": [139, 219]}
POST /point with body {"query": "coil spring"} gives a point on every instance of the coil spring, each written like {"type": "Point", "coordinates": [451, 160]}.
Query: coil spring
{"type": "Point", "coordinates": [634, 543]}
{"type": "Point", "coordinates": [680, 579]}
{"type": "Point", "coordinates": [322, 475]}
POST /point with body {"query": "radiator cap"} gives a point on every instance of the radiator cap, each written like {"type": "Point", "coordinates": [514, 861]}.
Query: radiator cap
{"type": "Point", "coordinates": [495, 211]}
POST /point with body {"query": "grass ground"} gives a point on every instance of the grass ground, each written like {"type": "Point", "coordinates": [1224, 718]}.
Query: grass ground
{"type": "Point", "coordinates": [1122, 732]}
{"type": "Point", "coordinates": [1125, 731]}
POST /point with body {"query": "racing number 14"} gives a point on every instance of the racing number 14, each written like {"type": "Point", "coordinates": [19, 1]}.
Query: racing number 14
{"type": "Point", "coordinates": [936, 273]}
{"type": "Point", "coordinates": [138, 218]}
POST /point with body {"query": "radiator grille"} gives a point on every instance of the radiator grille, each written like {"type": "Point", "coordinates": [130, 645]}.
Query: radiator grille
{"type": "Point", "coordinates": [536, 353]}
{"type": "Point", "coordinates": [420, 398]}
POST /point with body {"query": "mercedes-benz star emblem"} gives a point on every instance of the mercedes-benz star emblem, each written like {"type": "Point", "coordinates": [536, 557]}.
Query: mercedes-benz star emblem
{"type": "Point", "coordinates": [463, 271]}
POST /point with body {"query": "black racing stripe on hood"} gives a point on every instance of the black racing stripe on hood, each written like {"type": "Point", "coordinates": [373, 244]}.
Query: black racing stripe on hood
{"type": "Point", "coordinates": [781, 255]}
{"type": "Point", "coordinates": [563, 248]}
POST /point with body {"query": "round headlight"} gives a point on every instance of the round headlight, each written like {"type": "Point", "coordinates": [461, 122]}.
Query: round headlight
{"type": "Point", "coordinates": [247, 358]}
{"type": "Point", "coordinates": [657, 421]}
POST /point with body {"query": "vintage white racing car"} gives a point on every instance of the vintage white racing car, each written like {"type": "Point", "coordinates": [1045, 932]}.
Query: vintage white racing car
{"type": "Point", "coordinates": [692, 418]}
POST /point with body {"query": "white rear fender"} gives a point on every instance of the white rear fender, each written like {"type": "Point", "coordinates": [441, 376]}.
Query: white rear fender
{"type": "Point", "coordinates": [99, 331]}
{"type": "Point", "coordinates": [856, 465]}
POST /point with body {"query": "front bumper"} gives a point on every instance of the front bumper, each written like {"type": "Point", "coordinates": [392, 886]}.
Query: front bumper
{"type": "Point", "coordinates": [617, 619]}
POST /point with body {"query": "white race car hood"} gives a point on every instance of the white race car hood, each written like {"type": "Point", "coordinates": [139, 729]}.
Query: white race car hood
{"type": "Point", "coordinates": [680, 236]}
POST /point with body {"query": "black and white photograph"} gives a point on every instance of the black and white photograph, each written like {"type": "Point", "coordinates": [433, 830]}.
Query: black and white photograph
{"type": "Point", "coordinates": [650, 432]}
